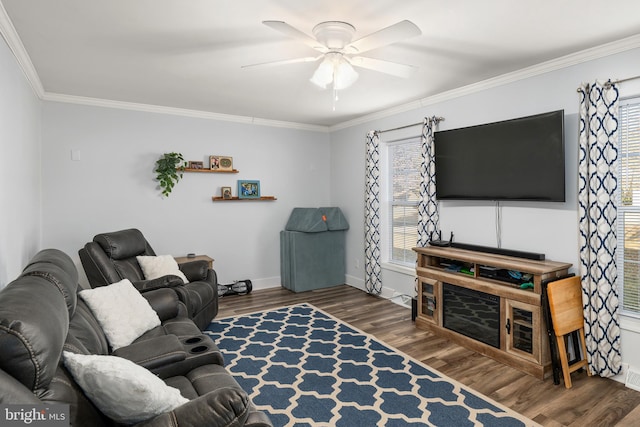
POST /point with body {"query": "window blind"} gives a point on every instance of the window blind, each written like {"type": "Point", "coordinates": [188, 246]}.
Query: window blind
{"type": "Point", "coordinates": [629, 207]}
{"type": "Point", "coordinates": [405, 159]}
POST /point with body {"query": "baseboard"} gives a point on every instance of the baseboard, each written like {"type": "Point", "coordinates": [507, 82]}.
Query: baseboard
{"type": "Point", "coordinates": [266, 283]}
{"type": "Point", "coordinates": [275, 282]}
{"type": "Point", "coordinates": [356, 282]}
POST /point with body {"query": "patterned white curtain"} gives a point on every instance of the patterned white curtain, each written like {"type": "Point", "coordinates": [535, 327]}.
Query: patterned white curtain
{"type": "Point", "coordinates": [597, 209]}
{"type": "Point", "coordinates": [428, 216]}
{"type": "Point", "coordinates": [372, 270]}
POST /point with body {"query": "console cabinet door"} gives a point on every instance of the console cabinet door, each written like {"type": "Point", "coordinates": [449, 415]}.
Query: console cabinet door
{"type": "Point", "coordinates": [429, 299]}
{"type": "Point", "coordinates": [522, 326]}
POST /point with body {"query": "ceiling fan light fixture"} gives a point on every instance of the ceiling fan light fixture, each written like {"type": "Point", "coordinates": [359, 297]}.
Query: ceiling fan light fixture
{"type": "Point", "coordinates": [323, 75]}
{"type": "Point", "coordinates": [334, 69]}
{"type": "Point", "coordinates": [344, 75]}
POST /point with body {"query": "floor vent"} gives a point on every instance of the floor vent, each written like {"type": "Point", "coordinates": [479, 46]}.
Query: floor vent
{"type": "Point", "coordinates": [633, 379]}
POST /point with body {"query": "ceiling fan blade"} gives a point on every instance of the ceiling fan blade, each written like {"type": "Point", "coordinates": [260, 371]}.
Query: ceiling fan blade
{"type": "Point", "coordinates": [387, 67]}
{"type": "Point", "coordinates": [292, 32]}
{"type": "Point", "coordinates": [386, 36]}
{"type": "Point", "coordinates": [284, 62]}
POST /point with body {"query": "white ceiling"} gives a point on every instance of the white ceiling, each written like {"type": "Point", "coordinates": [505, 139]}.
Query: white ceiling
{"type": "Point", "coordinates": [187, 54]}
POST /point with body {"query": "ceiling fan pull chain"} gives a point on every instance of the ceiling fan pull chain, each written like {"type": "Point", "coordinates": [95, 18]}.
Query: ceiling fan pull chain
{"type": "Point", "coordinates": [335, 95]}
{"type": "Point", "coordinates": [335, 89]}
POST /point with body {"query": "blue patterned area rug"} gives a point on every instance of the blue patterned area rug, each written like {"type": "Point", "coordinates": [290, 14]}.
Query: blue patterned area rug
{"type": "Point", "coordinates": [304, 367]}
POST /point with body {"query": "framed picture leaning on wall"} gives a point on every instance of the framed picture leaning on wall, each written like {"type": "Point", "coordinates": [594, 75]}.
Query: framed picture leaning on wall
{"type": "Point", "coordinates": [248, 189]}
{"type": "Point", "coordinates": [226, 163]}
{"type": "Point", "coordinates": [214, 162]}
{"type": "Point", "coordinates": [226, 193]}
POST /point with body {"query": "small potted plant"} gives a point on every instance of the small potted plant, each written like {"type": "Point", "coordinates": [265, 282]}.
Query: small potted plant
{"type": "Point", "coordinates": [168, 171]}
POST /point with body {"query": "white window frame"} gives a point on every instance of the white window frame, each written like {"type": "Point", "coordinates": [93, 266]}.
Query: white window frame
{"type": "Point", "coordinates": [622, 209]}
{"type": "Point", "coordinates": [387, 203]}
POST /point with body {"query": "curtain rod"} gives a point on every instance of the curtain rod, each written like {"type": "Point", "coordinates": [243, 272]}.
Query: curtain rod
{"type": "Point", "coordinates": [438, 119]}
{"type": "Point", "coordinates": [608, 84]}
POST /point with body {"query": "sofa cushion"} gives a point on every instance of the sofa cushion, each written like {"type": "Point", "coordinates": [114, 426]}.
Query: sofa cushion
{"type": "Point", "coordinates": [59, 269]}
{"type": "Point", "coordinates": [123, 244]}
{"type": "Point", "coordinates": [229, 404]}
{"type": "Point", "coordinates": [155, 267]}
{"type": "Point", "coordinates": [122, 390]}
{"type": "Point", "coordinates": [84, 327]}
{"type": "Point", "coordinates": [34, 322]}
{"type": "Point", "coordinates": [122, 312]}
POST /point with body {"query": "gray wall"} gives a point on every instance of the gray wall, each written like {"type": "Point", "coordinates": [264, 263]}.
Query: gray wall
{"type": "Point", "coordinates": [20, 194]}
{"type": "Point", "coordinates": [549, 228]}
{"type": "Point", "coordinates": [113, 186]}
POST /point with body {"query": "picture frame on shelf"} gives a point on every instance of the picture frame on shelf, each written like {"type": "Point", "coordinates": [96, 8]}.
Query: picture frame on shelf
{"type": "Point", "coordinates": [248, 189]}
{"type": "Point", "coordinates": [214, 163]}
{"type": "Point", "coordinates": [226, 163]}
{"type": "Point", "coordinates": [221, 163]}
{"type": "Point", "coordinates": [196, 165]}
{"type": "Point", "coordinates": [226, 193]}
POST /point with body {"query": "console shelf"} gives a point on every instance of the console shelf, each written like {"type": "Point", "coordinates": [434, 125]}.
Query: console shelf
{"type": "Point", "coordinates": [236, 198]}
{"type": "Point", "coordinates": [513, 287]}
{"type": "Point", "coordinates": [209, 170]}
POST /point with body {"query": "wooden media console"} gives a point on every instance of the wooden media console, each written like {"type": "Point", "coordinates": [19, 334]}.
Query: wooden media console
{"type": "Point", "coordinates": [488, 303]}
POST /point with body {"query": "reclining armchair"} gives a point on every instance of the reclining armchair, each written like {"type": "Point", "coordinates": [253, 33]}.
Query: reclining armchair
{"type": "Point", "coordinates": [111, 257]}
{"type": "Point", "coordinates": [45, 322]}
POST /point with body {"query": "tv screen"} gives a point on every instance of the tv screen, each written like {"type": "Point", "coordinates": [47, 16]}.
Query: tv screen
{"type": "Point", "coordinates": [518, 159]}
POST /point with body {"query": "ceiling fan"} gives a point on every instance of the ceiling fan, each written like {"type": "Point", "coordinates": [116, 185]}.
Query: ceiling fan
{"type": "Point", "coordinates": [339, 54]}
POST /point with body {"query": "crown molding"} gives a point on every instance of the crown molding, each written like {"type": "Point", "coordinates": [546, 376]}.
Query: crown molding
{"type": "Point", "coordinates": [586, 55]}
{"type": "Point", "coordinates": [12, 39]}
{"type": "Point", "coordinates": [106, 103]}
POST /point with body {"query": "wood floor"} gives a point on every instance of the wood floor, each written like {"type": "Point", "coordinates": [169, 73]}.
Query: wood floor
{"type": "Point", "coordinates": [591, 401]}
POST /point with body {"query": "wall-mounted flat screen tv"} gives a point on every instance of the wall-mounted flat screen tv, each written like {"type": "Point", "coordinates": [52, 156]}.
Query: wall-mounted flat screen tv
{"type": "Point", "coordinates": [518, 159]}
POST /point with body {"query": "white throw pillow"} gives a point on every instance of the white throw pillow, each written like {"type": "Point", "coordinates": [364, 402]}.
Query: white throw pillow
{"type": "Point", "coordinates": [122, 390]}
{"type": "Point", "coordinates": [158, 266]}
{"type": "Point", "coordinates": [122, 312]}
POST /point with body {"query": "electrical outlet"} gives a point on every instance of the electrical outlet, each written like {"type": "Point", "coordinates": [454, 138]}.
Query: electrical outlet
{"type": "Point", "coordinates": [357, 264]}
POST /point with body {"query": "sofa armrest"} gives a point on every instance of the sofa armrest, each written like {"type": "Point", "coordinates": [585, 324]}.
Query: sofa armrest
{"type": "Point", "coordinates": [13, 391]}
{"type": "Point", "coordinates": [219, 408]}
{"type": "Point", "coordinates": [154, 352]}
{"type": "Point", "coordinates": [195, 270]}
{"type": "Point", "coordinates": [168, 281]}
{"type": "Point", "coordinates": [165, 303]}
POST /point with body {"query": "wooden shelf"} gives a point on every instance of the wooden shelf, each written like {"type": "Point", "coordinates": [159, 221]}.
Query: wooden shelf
{"type": "Point", "coordinates": [209, 170]}
{"type": "Point", "coordinates": [235, 198]}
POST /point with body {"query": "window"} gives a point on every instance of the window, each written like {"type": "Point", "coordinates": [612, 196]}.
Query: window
{"type": "Point", "coordinates": [629, 207]}
{"type": "Point", "coordinates": [404, 160]}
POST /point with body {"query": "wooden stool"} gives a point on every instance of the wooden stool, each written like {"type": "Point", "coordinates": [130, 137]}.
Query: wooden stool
{"type": "Point", "coordinates": [565, 305]}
